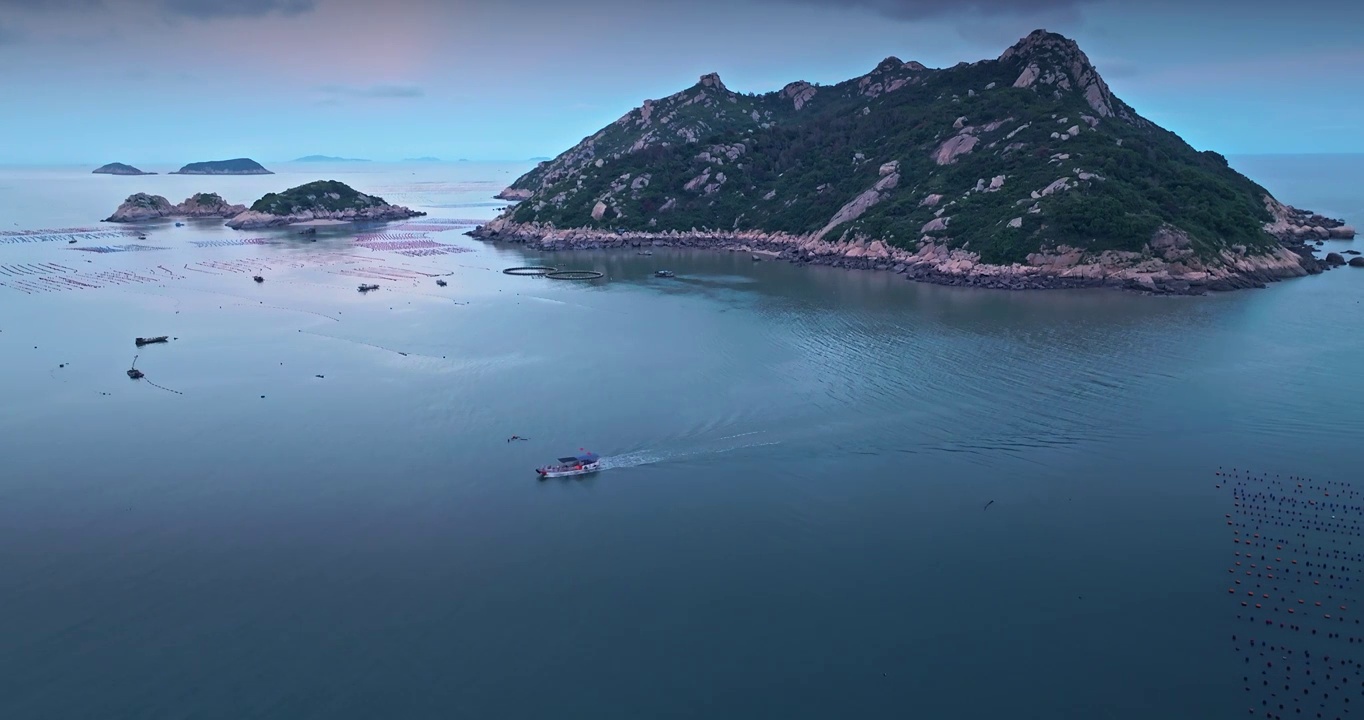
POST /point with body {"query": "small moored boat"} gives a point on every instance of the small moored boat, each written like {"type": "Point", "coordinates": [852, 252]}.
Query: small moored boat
{"type": "Point", "coordinates": [367, 288]}
{"type": "Point", "coordinates": [663, 273]}
{"type": "Point", "coordinates": [580, 464]}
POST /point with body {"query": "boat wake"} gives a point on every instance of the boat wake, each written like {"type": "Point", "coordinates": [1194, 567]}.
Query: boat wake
{"type": "Point", "coordinates": [654, 457]}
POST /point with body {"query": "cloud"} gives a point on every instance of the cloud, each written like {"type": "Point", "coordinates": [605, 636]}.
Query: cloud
{"type": "Point", "coordinates": [48, 5]}
{"type": "Point", "coordinates": [926, 9]}
{"type": "Point", "coordinates": [1295, 67]}
{"type": "Point", "coordinates": [192, 9]}
{"type": "Point", "coordinates": [374, 91]}
{"type": "Point", "coordinates": [215, 9]}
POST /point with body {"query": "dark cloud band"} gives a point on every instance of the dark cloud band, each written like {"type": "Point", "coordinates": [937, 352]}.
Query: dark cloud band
{"type": "Point", "coordinates": [199, 9]}
{"type": "Point", "coordinates": [210, 9]}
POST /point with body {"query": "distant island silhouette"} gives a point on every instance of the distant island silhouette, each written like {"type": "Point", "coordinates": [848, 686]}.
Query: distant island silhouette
{"type": "Point", "coordinates": [328, 158]}
{"type": "Point", "coordinates": [119, 169]}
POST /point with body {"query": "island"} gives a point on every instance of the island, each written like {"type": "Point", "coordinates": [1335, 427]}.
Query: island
{"type": "Point", "coordinates": [1020, 172]}
{"type": "Point", "coordinates": [141, 207]}
{"type": "Point", "coordinates": [327, 158]}
{"type": "Point", "coordinates": [119, 169]}
{"type": "Point", "coordinates": [237, 166]}
{"type": "Point", "coordinates": [320, 202]}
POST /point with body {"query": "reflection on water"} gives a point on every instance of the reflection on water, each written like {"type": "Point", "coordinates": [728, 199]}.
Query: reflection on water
{"type": "Point", "coordinates": [329, 522]}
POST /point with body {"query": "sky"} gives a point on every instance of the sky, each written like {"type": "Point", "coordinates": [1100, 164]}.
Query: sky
{"type": "Point", "coordinates": [161, 82]}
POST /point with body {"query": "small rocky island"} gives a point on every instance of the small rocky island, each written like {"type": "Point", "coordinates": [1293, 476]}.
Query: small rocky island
{"type": "Point", "coordinates": [324, 200]}
{"type": "Point", "coordinates": [237, 166]}
{"type": "Point", "coordinates": [119, 169]}
{"type": "Point", "coordinates": [1020, 172]}
{"type": "Point", "coordinates": [141, 207]}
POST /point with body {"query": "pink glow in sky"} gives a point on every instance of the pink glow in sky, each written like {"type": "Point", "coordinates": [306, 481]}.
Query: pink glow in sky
{"type": "Point", "coordinates": [166, 79]}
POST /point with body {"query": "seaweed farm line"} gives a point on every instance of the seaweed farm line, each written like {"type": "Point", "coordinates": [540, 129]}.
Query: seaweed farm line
{"type": "Point", "coordinates": [15, 237]}
{"type": "Point", "coordinates": [408, 240]}
{"type": "Point", "coordinates": [234, 242]}
{"type": "Point", "coordinates": [1293, 582]}
{"type": "Point", "coordinates": [103, 249]}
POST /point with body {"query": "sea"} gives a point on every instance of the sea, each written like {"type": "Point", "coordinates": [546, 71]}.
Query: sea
{"type": "Point", "coordinates": [826, 493]}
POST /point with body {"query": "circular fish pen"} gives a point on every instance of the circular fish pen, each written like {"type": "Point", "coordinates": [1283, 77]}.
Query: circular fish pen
{"type": "Point", "coordinates": [575, 275]}
{"type": "Point", "coordinates": [531, 270]}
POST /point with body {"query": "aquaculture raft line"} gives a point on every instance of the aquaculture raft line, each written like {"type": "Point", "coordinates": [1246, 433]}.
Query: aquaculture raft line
{"type": "Point", "coordinates": [117, 248]}
{"type": "Point", "coordinates": [388, 236]}
{"type": "Point", "coordinates": [10, 237]}
{"type": "Point", "coordinates": [231, 243]}
{"type": "Point", "coordinates": [391, 245]}
{"type": "Point", "coordinates": [575, 275]}
{"type": "Point", "coordinates": [428, 227]}
{"type": "Point", "coordinates": [34, 269]}
{"type": "Point", "coordinates": [90, 280]}
{"type": "Point", "coordinates": [443, 250]}
{"type": "Point", "coordinates": [532, 270]}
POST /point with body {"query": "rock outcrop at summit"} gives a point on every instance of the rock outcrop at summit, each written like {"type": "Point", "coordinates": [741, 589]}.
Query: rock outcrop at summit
{"type": "Point", "coordinates": [1021, 171]}
{"type": "Point", "coordinates": [208, 205]}
{"type": "Point", "coordinates": [141, 207]}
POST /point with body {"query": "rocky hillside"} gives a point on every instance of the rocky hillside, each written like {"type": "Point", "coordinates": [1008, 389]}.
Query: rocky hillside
{"type": "Point", "coordinates": [141, 207]}
{"type": "Point", "coordinates": [1022, 171]}
{"type": "Point", "coordinates": [321, 200]}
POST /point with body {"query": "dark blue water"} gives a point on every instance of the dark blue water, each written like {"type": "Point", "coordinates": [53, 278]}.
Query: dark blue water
{"type": "Point", "coordinates": [793, 522]}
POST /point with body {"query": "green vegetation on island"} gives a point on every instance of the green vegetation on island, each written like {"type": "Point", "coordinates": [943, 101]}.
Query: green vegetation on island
{"type": "Point", "coordinates": [323, 200]}
{"type": "Point", "coordinates": [1004, 158]}
{"type": "Point", "coordinates": [325, 195]}
{"type": "Point", "coordinates": [236, 166]}
{"type": "Point", "coordinates": [119, 169]}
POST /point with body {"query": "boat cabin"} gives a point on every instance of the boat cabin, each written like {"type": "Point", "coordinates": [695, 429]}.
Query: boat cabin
{"type": "Point", "coordinates": [583, 459]}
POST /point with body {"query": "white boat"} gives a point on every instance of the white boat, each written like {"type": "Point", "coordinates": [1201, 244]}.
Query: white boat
{"type": "Point", "coordinates": [580, 464]}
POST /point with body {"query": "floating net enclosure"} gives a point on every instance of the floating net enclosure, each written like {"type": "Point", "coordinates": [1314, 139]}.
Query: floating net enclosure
{"type": "Point", "coordinates": [531, 270]}
{"type": "Point", "coordinates": [1292, 585]}
{"type": "Point", "coordinates": [574, 275]}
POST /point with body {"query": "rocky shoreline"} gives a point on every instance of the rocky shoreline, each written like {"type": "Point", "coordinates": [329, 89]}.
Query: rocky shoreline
{"type": "Point", "coordinates": [251, 219]}
{"type": "Point", "coordinates": [141, 207]}
{"type": "Point", "coordinates": [1168, 264]}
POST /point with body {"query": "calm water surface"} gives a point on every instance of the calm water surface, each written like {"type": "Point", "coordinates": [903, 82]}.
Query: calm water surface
{"type": "Point", "coordinates": [791, 524]}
